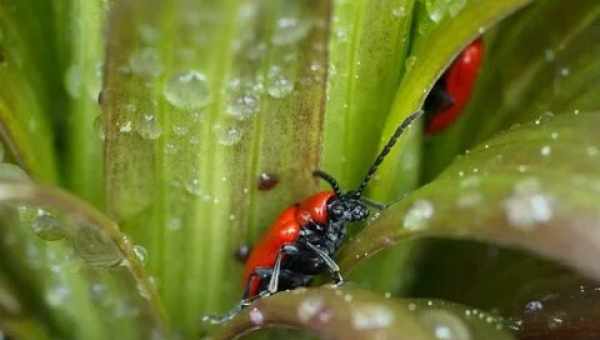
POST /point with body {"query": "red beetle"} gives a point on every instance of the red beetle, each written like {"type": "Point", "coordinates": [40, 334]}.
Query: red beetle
{"type": "Point", "coordinates": [303, 240]}
{"type": "Point", "coordinates": [452, 91]}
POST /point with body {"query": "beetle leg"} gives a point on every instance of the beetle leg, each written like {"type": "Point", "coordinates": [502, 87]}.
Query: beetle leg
{"type": "Point", "coordinates": [274, 282]}
{"type": "Point", "coordinates": [334, 269]}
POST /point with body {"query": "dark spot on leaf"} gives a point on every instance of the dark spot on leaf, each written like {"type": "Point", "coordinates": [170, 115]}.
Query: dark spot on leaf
{"type": "Point", "coordinates": [101, 97]}
{"type": "Point", "coordinates": [267, 181]}
{"type": "Point", "coordinates": [242, 253]}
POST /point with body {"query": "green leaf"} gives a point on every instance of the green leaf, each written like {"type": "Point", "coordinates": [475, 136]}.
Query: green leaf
{"type": "Point", "coordinates": [368, 44]}
{"type": "Point", "coordinates": [28, 63]}
{"type": "Point", "coordinates": [441, 29]}
{"type": "Point", "coordinates": [534, 187]}
{"type": "Point", "coordinates": [533, 67]}
{"type": "Point", "coordinates": [83, 30]}
{"type": "Point", "coordinates": [72, 273]}
{"type": "Point", "coordinates": [351, 313]}
{"type": "Point", "coordinates": [201, 99]}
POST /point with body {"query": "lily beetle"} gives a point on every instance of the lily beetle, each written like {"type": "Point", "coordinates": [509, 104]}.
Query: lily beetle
{"type": "Point", "coordinates": [303, 240]}
{"type": "Point", "coordinates": [451, 93]}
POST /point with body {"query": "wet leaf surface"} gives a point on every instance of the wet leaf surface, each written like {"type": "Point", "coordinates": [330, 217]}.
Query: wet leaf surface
{"type": "Point", "coordinates": [205, 99]}
{"type": "Point", "coordinates": [539, 193]}
{"type": "Point", "coordinates": [350, 313]}
{"type": "Point", "coordinates": [73, 274]}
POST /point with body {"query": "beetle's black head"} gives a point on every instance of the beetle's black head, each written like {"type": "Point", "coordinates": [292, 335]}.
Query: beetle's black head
{"type": "Point", "coordinates": [347, 207]}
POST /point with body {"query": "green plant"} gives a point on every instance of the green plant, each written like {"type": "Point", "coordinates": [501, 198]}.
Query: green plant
{"type": "Point", "coordinates": [157, 117]}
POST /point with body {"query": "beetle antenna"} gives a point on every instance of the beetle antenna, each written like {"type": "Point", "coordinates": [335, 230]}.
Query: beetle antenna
{"type": "Point", "coordinates": [386, 149]}
{"type": "Point", "coordinates": [329, 179]}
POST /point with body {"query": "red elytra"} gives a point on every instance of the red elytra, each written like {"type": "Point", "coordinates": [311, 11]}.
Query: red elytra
{"type": "Point", "coordinates": [284, 231]}
{"type": "Point", "coordinates": [459, 83]}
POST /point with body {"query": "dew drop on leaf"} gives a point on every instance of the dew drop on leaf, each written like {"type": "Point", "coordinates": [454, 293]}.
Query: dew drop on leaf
{"type": "Point", "coordinates": [444, 325]}
{"type": "Point", "coordinates": [188, 90]}
{"type": "Point", "coordinates": [73, 81]}
{"type": "Point", "coordinates": [399, 12]}
{"type": "Point", "coordinates": [193, 186]}
{"type": "Point", "coordinates": [309, 308]}
{"type": "Point", "coordinates": [94, 246]}
{"type": "Point", "coordinates": [227, 135]}
{"type": "Point", "coordinates": [290, 30]}
{"type": "Point", "coordinates": [141, 253]}
{"type": "Point", "coordinates": [48, 227]}
{"type": "Point", "coordinates": [410, 62]}
{"type": "Point", "coordinates": [99, 127]}
{"type": "Point", "coordinates": [418, 215]}
{"type": "Point", "coordinates": [372, 317]}
{"type": "Point", "coordinates": [256, 316]}
{"type": "Point", "coordinates": [145, 62]}
{"type": "Point", "coordinates": [278, 85]}
{"type": "Point", "coordinates": [528, 205]}
{"type": "Point", "coordinates": [149, 127]}
{"type": "Point", "coordinates": [57, 295]}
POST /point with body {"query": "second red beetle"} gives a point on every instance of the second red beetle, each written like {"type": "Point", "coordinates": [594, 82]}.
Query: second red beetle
{"type": "Point", "coordinates": [452, 92]}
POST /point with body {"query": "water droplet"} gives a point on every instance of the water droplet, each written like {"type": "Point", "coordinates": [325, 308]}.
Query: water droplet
{"type": "Point", "coordinates": [99, 127]}
{"type": "Point", "coordinates": [48, 227]}
{"type": "Point", "coordinates": [309, 308]}
{"type": "Point", "coordinates": [534, 307]}
{"type": "Point", "coordinates": [435, 9]}
{"type": "Point", "coordinates": [193, 187]}
{"type": "Point", "coordinates": [256, 316]}
{"type": "Point", "coordinates": [149, 127]}
{"type": "Point", "coordinates": [94, 246]}
{"type": "Point", "coordinates": [125, 127]}
{"type": "Point", "coordinates": [528, 205]}
{"type": "Point", "coordinates": [546, 150]}
{"type": "Point", "coordinates": [243, 107]}
{"type": "Point", "coordinates": [565, 71]}
{"type": "Point", "coordinates": [146, 62]}
{"type": "Point", "coordinates": [227, 135]}
{"type": "Point", "coordinates": [141, 253]}
{"type": "Point", "coordinates": [418, 215]}
{"type": "Point", "coordinates": [445, 325]}
{"type": "Point", "coordinates": [188, 90]}
{"type": "Point", "coordinates": [290, 30]}
{"type": "Point", "coordinates": [267, 181]}
{"type": "Point", "coordinates": [57, 295]}
{"type": "Point", "coordinates": [278, 86]}
{"type": "Point", "coordinates": [174, 223]}
{"type": "Point", "coordinates": [555, 322]}
{"type": "Point", "coordinates": [341, 34]}
{"type": "Point", "coordinates": [410, 63]}
{"type": "Point", "coordinates": [372, 317]}
{"type": "Point", "coordinates": [73, 81]}
{"type": "Point", "coordinates": [11, 172]}
{"type": "Point", "coordinates": [399, 12]}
